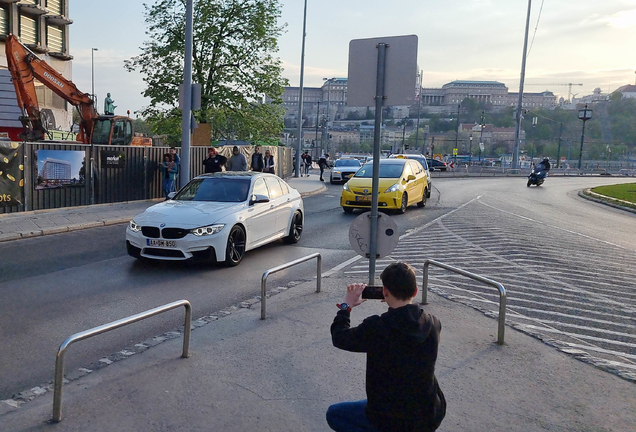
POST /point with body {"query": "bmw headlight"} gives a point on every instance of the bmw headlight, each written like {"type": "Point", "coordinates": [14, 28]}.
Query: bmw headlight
{"type": "Point", "coordinates": [346, 187]}
{"type": "Point", "coordinates": [133, 226]}
{"type": "Point", "coordinates": [207, 230]}
{"type": "Point", "coordinates": [394, 188]}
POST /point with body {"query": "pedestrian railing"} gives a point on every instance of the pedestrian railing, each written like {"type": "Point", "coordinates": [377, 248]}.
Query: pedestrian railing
{"type": "Point", "coordinates": [500, 287]}
{"type": "Point", "coordinates": [316, 255]}
{"type": "Point", "coordinates": [59, 362]}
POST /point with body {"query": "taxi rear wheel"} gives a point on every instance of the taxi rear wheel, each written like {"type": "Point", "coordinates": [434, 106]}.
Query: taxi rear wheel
{"type": "Point", "coordinates": [404, 204]}
{"type": "Point", "coordinates": [347, 209]}
{"type": "Point", "coordinates": [424, 196]}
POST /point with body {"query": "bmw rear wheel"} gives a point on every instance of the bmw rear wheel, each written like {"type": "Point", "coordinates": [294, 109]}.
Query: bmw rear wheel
{"type": "Point", "coordinates": [295, 229]}
{"type": "Point", "coordinates": [404, 204]}
{"type": "Point", "coordinates": [235, 247]}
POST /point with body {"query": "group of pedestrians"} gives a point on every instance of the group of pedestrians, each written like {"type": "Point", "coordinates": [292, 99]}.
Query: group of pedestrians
{"type": "Point", "coordinates": [237, 162]}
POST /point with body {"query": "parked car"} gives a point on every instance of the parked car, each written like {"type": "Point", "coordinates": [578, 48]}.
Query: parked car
{"type": "Point", "coordinates": [218, 217]}
{"type": "Point", "coordinates": [435, 165]}
{"type": "Point", "coordinates": [402, 183]}
{"type": "Point", "coordinates": [422, 160]}
{"type": "Point", "coordinates": [343, 169]}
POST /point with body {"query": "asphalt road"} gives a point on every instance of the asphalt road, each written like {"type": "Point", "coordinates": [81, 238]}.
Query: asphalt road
{"type": "Point", "coordinates": [54, 286]}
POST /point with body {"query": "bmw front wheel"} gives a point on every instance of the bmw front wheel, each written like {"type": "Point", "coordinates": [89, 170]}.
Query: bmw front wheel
{"type": "Point", "coordinates": [295, 229]}
{"type": "Point", "coordinates": [235, 248]}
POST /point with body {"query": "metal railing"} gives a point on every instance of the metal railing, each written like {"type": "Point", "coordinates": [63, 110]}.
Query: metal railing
{"type": "Point", "coordinates": [59, 362]}
{"type": "Point", "coordinates": [316, 255]}
{"type": "Point", "coordinates": [500, 287]}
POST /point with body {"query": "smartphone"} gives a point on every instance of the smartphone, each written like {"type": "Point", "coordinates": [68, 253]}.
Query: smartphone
{"type": "Point", "coordinates": [373, 292]}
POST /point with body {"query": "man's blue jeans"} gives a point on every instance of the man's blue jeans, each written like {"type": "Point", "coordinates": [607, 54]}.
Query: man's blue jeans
{"type": "Point", "coordinates": [349, 417]}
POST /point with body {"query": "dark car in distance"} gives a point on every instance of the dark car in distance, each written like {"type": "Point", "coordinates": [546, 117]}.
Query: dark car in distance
{"type": "Point", "coordinates": [435, 165]}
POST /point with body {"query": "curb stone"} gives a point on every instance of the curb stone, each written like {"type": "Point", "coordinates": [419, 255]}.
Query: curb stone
{"type": "Point", "coordinates": [587, 194]}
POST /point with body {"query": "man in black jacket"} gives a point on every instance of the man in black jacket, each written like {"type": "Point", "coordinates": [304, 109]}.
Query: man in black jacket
{"type": "Point", "coordinates": [401, 347]}
{"type": "Point", "coordinates": [214, 162]}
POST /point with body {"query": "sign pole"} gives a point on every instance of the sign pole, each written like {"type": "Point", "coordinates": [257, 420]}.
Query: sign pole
{"type": "Point", "coordinates": [379, 101]}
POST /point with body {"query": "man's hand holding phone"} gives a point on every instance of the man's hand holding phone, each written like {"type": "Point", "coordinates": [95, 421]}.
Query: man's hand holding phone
{"type": "Point", "coordinates": [354, 294]}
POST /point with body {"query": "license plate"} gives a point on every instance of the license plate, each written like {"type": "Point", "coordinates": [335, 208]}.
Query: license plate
{"type": "Point", "coordinates": [363, 198]}
{"type": "Point", "coordinates": [162, 243]}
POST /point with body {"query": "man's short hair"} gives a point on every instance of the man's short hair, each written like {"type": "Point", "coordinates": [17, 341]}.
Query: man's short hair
{"type": "Point", "coordinates": [399, 278]}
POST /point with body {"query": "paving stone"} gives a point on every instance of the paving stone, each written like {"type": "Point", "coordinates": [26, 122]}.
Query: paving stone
{"type": "Point", "coordinates": [105, 361]}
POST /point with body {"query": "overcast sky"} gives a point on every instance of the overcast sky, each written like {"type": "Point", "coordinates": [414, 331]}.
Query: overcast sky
{"type": "Point", "coordinates": [588, 42]}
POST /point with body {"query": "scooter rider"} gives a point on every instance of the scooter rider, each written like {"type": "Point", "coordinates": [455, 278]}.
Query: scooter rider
{"type": "Point", "coordinates": [546, 164]}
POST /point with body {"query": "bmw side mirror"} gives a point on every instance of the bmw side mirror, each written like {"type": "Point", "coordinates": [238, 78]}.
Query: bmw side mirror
{"type": "Point", "coordinates": [171, 195]}
{"type": "Point", "coordinates": [258, 198]}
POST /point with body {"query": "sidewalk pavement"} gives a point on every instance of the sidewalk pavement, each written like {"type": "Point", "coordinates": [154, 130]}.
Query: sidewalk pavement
{"type": "Point", "coordinates": [15, 226]}
{"type": "Point", "coordinates": [280, 374]}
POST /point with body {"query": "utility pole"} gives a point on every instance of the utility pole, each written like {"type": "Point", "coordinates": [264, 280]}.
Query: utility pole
{"type": "Point", "coordinates": [300, 98]}
{"type": "Point", "coordinates": [515, 147]}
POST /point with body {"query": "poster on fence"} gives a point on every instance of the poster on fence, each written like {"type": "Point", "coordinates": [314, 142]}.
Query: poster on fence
{"type": "Point", "coordinates": [60, 169]}
{"type": "Point", "coordinates": [11, 173]}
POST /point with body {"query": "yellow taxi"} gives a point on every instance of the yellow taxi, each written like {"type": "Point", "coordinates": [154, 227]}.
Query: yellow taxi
{"type": "Point", "coordinates": [403, 182]}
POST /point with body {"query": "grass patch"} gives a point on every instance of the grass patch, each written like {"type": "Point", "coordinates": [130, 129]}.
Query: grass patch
{"type": "Point", "coordinates": [625, 192]}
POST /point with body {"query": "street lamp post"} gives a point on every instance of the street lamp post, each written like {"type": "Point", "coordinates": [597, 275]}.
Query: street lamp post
{"type": "Point", "coordinates": [317, 121]}
{"type": "Point", "coordinates": [481, 136]}
{"type": "Point", "coordinates": [300, 98]}
{"type": "Point", "coordinates": [93, 76]}
{"type": "Point", "coordinates": [457, 131]}
{"type": "Point", "coordinates": [328, 117]}
{"type": "Point", "coordinates": [470, 150]}
{"type": "Point", "coordinates": [584, 114]}
{"type": "Point", "coordinates": [403, 135]}
{"type": "Point", "coordinates": [419, 106]}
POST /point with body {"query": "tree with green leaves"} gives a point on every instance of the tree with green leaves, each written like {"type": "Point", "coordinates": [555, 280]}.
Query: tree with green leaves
{"type": "Point", "coordinates": [234, 47]}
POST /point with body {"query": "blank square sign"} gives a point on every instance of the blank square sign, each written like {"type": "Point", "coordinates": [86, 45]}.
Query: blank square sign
{"type": "Point", "coordinates": [400, 79]}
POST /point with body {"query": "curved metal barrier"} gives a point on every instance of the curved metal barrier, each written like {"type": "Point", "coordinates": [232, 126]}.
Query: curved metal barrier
{"type": "Point", "coordinates": [59, 362]}
{"type": "Point", "coordinates": [500, 287]}
{"type": "Point", "coordinates": [283, 267]}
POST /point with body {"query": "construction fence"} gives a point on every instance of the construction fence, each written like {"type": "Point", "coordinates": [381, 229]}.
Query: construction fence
{"type": "Point", "coordinates": [47, 175]}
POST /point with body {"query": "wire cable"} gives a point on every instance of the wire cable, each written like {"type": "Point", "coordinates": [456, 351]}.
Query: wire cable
{"type": "Point", "coordinates": [535, 30]}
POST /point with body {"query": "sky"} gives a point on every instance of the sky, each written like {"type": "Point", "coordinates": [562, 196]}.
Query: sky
{"type": "Point", "coordinates": [570, 41]}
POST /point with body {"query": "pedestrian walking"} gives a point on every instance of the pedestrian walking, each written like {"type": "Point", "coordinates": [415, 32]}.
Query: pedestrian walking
{"type": "Point", "coordinates": [214, 162]}
{"type": "Point", "coordinates": [269, 164]}
{"type": "Point", "coordinates": [307, 160]}
{"type": "Point", "coordinates": [322, 164]}
{"type": "Point", "coordinates": [237, 161]}
{"type": "Point", "coordinates": [401, 347]}
{"type": "Point", "coordinates": [257, 159]}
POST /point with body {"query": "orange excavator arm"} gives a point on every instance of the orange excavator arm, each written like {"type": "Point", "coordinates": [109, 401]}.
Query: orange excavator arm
{"type": "Point", "coordinates": [24, 66]}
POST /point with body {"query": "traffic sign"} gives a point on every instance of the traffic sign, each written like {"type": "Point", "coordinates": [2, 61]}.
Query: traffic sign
{"type": "Point", "coordinates": [452, 164]}
{"type": "Point", "coordinates": [360, 235]}
{"type": "Point", "coordinates": [454, 152]}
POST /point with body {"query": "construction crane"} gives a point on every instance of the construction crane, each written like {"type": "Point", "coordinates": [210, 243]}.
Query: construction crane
{"type": "Point", "coordinates": [559, 84]}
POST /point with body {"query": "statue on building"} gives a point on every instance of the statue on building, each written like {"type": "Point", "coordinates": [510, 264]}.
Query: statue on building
{"type": "Point", "coordinates": [109, 106]}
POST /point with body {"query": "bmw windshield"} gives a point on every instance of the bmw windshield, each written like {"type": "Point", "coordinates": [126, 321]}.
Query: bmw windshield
{"type": "Point", "coordinates": [215, 189]}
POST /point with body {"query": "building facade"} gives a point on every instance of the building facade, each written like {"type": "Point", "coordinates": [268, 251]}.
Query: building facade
{"type": "Point", "coordinates": [42, 26]}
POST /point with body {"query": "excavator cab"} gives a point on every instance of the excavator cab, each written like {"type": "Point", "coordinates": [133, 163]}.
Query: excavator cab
{"type": "Point", "coordinates": [112, 130]}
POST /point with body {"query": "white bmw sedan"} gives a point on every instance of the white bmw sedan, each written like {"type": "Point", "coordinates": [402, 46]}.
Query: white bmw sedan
{"type": "Point", "coordinates": [218, 217]}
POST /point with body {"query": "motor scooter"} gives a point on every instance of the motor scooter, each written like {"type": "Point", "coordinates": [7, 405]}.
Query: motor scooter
{"type": "Point", "coordinates": [537, 175]}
